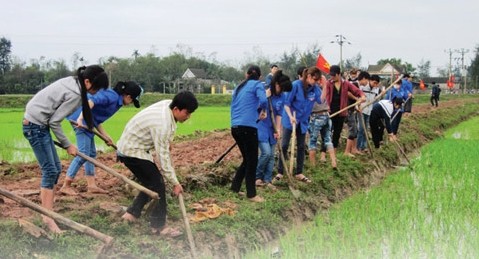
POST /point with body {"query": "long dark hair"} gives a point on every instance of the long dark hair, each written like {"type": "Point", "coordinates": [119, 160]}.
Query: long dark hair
{"type": "Point", "coordinates": [98, 79]}
{"type": "Point", "coordinates": [314, 72]}
{"type": "Point", "coordinates": [253, 73]}
{"type": "Point", "coordinates": [283, 81]}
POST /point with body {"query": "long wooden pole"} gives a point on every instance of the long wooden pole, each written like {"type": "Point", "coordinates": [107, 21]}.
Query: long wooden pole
{"type": "Point", "coordinates": [382, 93]}
{"type": "Point", "coordinates": [293, 145]}
{"type": "Point", "coordinates": [401, 150]}
{"type": "Point", "coordinates": [394, 117]}
{"type": "Point", "coordinates": [187, 227]}
{"type": "Point", "coordinates": [344, 109]}
{"type": "Point", "coordinates": [59, 218]}
{"type": "Point", "coordinates": [365, 131]}
{"type": "Point", "coordinates": [94, 132]}
{"type": "Point", "coordinates": [125, 179]}
{"type": "Point", "coordinates": [289, 174]}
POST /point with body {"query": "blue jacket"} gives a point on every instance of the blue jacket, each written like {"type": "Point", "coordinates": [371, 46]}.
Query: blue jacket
{"type": "Point", "coordinates": [406, 86]}
{"type": "Point", "coordinates": [265, 127]}
{"type": "Point", "coordinates": [393, 92]}
{"type": "Point", "coordinates": [107, 102]}
{"type": "Point", "coordinates": [301, 104]}
{"type": "Point", "coordinates": [246, 104]}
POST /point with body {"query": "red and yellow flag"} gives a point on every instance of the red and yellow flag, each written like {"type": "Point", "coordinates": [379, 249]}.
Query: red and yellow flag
{"type": "Point", "coordinates": [322, 64]}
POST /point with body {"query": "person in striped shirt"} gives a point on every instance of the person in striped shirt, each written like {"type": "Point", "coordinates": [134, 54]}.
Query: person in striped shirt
{"type": "Point", "coordinates": [151, 131]}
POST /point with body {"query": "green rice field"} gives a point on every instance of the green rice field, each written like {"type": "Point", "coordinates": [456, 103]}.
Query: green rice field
{"type": "Point", "coordinates": [15, 148]}
{"type": "Point", "coordinates": [428, 210]}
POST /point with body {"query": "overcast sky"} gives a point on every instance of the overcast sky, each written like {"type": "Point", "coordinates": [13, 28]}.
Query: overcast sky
{"type": "Point", "coordinates": [231, 31]}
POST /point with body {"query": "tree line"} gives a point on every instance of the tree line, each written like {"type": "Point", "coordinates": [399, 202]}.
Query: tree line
{"type": "Point", "coordinates": [164, 74]}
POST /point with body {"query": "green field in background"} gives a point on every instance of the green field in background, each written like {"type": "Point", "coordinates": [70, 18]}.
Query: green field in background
{"type": "Point", "coordinates": [14, 147]}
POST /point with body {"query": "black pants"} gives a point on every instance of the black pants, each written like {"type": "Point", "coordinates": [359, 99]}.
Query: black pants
{"type": "Point", "coordinates": [408, 105]}
{"type": "Point", "coordinates": [247, 140]}
{"type": "Point", "coordinates": [377, 128]}
{"type": "Point", "coordinates": [434, 99]}
{"type": "Point", "coordinates": [150, 177]}
{"type": "Point", "coordinates": [338, 122]}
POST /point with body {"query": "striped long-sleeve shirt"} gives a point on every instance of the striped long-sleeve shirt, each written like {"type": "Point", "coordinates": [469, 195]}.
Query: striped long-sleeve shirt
{"type": "Point", "coordinates": [152, 129]}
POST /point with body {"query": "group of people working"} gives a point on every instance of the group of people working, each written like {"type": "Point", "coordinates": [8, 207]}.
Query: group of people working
{"type": "Point", "coordinates": [86, 100]}
{"type": "Point", "coordinates": [262, 113]}
{"type": "Point", "coordinates": [278, 109]}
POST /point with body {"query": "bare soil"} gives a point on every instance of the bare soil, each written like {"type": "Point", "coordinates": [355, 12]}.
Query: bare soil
{"type": "Point", "coordinates": [188, 157]}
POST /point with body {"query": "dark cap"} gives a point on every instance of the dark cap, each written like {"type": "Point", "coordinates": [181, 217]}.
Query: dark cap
{"type": "Point", "coordinates": [334, 70]}
{"type": "Point", "coordinates": [135, 91]}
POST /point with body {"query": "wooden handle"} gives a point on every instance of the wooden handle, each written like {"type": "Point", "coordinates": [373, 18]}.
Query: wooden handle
{"type": "Point", "coordinates": [57, 217]}
{"type": "Point", "coordinates": [125, 179]}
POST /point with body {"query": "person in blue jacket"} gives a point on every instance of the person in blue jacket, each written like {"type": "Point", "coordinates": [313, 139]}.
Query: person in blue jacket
{"type": "Point", "coordinates": [103, 105]}
{"type": "Point", "coordinates": [298, 106]}
{"type": "Point", "coordinates": [268, 133]}
{"type": "Point", "coordinates": [406, 86]}
{"type": "Point", "coordinates": [248, 106]}
{"type": "Point", "coordinates": [396, 92]}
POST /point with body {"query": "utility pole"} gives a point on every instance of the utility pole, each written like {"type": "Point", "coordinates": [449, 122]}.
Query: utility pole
{"type": "Point", "coordinates": [340, 39]}
{"type": "Point", "coordinates": [463, 51]}
{"type": "Point", "coordinates": [449, 51]}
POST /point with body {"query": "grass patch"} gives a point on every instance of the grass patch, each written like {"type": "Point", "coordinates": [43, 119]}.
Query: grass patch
{"type": "Point", "coordinates": [428, 211]}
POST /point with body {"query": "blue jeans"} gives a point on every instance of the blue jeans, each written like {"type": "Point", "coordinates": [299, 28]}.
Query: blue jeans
{"type": "Point", "coordinates": [320, 125]}
{"type": "Point", "coordinates": [264, 170]}
{"type": "Point", "coordinates": [86, 145]}
{"type": "Point", "coordinates": [362, 141]}
{"type": "Point", "coordinates": [45, 152]}
{"type": "Point", "coordinates": [300, 149]}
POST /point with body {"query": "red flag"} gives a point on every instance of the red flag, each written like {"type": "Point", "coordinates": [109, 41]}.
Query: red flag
{"type": "Point", "coordinates": [422, 85]}
{"type": "Point", "coordinates": [450, 82]}
{"type": "Point", "coordinates": [322, 64]}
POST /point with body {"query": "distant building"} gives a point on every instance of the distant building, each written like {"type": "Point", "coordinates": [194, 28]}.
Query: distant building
{"type": "Point", "coordinates": [198, 81]}
{"type": "Point", "coordinates": [385, 71]}
{"type": "Point", "coordinates": [195, 73]}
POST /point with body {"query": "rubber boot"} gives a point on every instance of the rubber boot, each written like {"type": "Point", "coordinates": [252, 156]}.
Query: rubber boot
{"type": "Point", "coordinates": [67, 189]}
{"type": "Point", "coordinates": [92, 187]}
